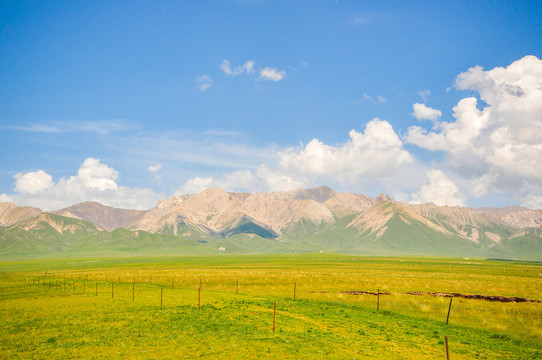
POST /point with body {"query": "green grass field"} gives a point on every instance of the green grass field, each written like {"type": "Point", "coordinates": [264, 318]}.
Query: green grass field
{"type": "Point", "coordinates": [147, 308]}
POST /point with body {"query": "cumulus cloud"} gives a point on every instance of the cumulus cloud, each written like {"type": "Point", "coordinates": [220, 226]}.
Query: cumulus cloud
{"type": "Point", "coordinates": [261, 179]}
{"type": "Point", "coordinates": [94, 181]}
{"type": "Point", "coordinates": [272, 74]}
{"type": "Point", "coordinates": [496, 144]}
{"type": "Point", "coordinates": [424, 112]}
{"type": "Point", "coordinates": [195, 185]}
{"type": "Point", "coordinates": [204, 82]}
{"type": "Point", "coordinates": [440, 191]}
{"type": "Point", "coordinates": [33, 182]}
{"type": "Point", "coordinates": [376, 153]}
{"type": "Point", "coordinates": [94, 175]}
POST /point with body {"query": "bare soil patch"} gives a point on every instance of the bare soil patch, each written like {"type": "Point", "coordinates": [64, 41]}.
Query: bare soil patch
{"type": "Point", "coordinates": [360, 292]}
{"type": "Point", "coordinates": [498, 298]}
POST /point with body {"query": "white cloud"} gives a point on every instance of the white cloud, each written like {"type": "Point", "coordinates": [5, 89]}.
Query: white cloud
{"type": "Point", "coordinates": [499, 146]}
{"type": "Point", "coordinates": [376, 153]}
{"type": "Point", "coordinates": [94, 175]}
{"type": "Point", "coordinates": [226, 67]}
{"type": "Point", "coordinates": [278, 180]}
{"type": "Point", "coordinates": [259, 180]}
{"type": "Point", "coordinates": [100, 127]}
{"type": "Point", "coordinates": [424, 94]}
{"type": "Point", "coordinates": [367, 156]}
{"type": "Point", "coordinates": [440, 191]}
{"type": "Point", "coordinates": [42, 128]}
{"type": "Point", "coordinates": [272, 74]}
{"type": "Point", "coordinates": [266, 73]}
{"type": "Point", "coordinates": [94, 182]}
{"type": "Point", "coordinates": [247, 67]}
{"type": "Point", "coordinates": [195, 185]}
{"type": "Point", "coordinates": [154, 168]}
{"type": "Point", "coordinates": [532, 201]}
{"type": "Point", "coordinates": [33, 182]}
{"type": "Point", "coordinates": [378, 100]}
{"type": "Point", "coordinates": [423, 112]}
{"type": "Point", "coordinates": [204, 82]}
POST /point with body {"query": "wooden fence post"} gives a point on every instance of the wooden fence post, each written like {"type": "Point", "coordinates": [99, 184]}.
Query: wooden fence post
{"type": "Point", "coordinates": [133, 291]}
{"type": "Point", "coordinates": [378, 300]}
{"type": "Point", "coordinates": [274, 313]}
{"type": "Point", "coordinates": [449, 308]}
{"type": "Point", "coordinates": [447, 353]}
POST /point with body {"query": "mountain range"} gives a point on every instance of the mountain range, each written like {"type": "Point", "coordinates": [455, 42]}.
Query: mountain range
{"type": "Point", "coordinates": [304, 220]}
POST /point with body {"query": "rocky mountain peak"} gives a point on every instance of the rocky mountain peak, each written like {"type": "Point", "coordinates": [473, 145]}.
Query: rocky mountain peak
{"type": "Point", "coordinates": [106, 217]}
{"type": "Point", "coordinates": [11, 214]}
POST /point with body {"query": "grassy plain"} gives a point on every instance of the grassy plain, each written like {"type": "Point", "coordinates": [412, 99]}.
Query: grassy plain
{"type": "Point", "coordinates": [147, 308]}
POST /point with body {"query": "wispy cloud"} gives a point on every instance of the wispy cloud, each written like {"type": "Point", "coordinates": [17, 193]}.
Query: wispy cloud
{"type": "Point", "coordinates": [228, 133]}
{"type": "Point", "coordinates": [101, 127]}
{"type": "Point", "coordinates": [266, 73]}
{"type": "Point", "coordinates": [204, 82]}
{"type": "Point", "coordinates": [375, 100]}
{"type": "Point", "coordinates": [360, 20]}
{"type": "Point", "coordinates": [214, 148]}
{"type": "Point", "coordinates": [424, 94]}
{"type": "Point", "coordinates": [154, 170]}
{"type": "Point", "coordinates": [247, 67]}
{"type": "Point", "coordinates": [44, 128]}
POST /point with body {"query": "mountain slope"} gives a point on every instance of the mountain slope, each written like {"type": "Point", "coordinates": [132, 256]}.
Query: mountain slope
{"type": "Point", "coordinates": [49, 235]}
{"type": "Point", "coordinates": [11, 214]}
{"type": "Point", "coordinates": [106, 217]}
{"type": "Point", "coordinates": [319, 219]}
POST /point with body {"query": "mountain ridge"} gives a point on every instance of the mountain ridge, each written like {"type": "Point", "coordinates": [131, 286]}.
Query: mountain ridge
{"type": "Point", "coordinates": [302, 220]}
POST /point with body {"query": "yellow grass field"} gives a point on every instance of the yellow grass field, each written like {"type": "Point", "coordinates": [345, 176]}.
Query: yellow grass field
{"type": "Point", "coordinates": [155, 308]}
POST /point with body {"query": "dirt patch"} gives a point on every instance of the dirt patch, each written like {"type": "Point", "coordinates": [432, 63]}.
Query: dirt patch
{"type": "Point", "coordinates": [317, 292]}
{"type": "Point", "coordinates": [511, 299]}
{"type": "Point", "coordinates": [360, 292]}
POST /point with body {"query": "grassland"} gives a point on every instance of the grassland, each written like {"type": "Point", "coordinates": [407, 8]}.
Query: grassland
{"type": "Point", "coordinates": [147, 308]}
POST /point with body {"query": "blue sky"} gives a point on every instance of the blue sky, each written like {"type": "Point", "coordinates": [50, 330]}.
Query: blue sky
{"type": "Point", "coordinates": [129, 102]}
